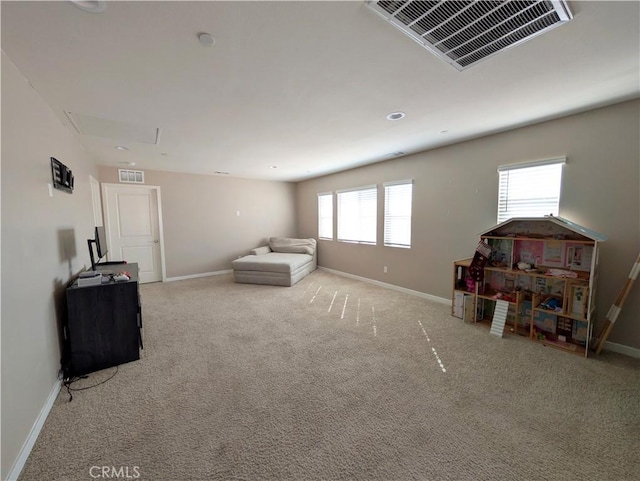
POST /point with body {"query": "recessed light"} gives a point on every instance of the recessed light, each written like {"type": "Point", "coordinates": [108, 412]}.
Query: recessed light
{"type": "Point", "coordinates": [273, 166]}
{"type": "Point", "coordinates": [221, 172]}
{"type": "Point", "coordinates": [164, 153]}
{"type": "Point", "coordinates": [121, 147]}
{"type": "Point", "coordinates": [127, 163]}
{"type": "Point", "coordinates": [396, 116]}
{"type": "Point", "coordinates": [444, 131]}
{"type": "Point", "coordinates": [395, 154]}
{"type": "Point", "coordinates": [206, 39]}
{"type": "Point", "coordinates": [95, 6]}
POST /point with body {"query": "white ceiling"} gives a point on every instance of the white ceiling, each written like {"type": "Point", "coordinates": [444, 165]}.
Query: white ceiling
{"type": "Point", "coordinates": [304, 86]}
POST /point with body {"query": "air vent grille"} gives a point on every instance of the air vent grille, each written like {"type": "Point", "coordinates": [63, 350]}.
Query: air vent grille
{"type": "Point", "coordinates": [464, 32]}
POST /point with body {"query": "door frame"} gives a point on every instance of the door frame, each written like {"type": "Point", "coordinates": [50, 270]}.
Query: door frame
{"type": "Point", "coordinates": [156, 188]}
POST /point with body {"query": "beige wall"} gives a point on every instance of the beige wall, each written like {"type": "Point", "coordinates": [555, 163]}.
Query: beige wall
{"type": "Point", "coordinates": [39, 236]}
{"type": "Point", "coordinates": [202, 231]}
{"type": "Point", "coordinates": [44, 238]}
{"type": "Point", "coordinates": [455, 198]}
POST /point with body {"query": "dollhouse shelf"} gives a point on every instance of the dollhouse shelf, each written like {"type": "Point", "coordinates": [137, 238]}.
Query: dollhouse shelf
{"type": "Point", "coordinates": [547, 269]}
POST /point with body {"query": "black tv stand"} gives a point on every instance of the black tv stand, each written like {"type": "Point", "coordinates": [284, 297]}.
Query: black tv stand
{"type": "Point", "coordinates": [103, 326]}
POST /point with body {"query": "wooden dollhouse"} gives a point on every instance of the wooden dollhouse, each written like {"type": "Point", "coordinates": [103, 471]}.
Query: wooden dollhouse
{"type": "Point", "coordinates": [546, 268]}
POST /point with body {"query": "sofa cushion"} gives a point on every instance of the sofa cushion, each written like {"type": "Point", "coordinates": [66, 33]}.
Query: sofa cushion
{"type": "Point", "coordinates": [258, 251]}
{"type": "Point", "coordinates": [272, 262]}
{"type": "Point", "coordinates": [292, 246]}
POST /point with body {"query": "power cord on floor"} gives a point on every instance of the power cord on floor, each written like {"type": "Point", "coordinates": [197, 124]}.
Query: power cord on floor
{"type": "Point", "coordinates": [69, 381]}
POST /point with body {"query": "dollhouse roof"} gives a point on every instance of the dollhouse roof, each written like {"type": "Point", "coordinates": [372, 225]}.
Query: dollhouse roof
{"type": "Point", "coordinates": [548, 227]}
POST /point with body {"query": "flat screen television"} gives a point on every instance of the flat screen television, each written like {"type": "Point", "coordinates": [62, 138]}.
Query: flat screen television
{"type": "Point", "coordinates": [100, 241]}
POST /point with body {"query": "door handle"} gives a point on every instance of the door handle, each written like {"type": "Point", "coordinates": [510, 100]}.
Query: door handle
{"type": "Point", "coordinates": [156, 241]}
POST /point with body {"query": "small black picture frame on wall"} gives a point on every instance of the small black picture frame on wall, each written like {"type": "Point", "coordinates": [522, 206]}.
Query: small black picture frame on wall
{"type": "Point", "coordinates": [62, 176]}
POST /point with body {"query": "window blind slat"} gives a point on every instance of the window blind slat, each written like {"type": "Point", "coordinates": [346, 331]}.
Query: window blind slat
{"type": "Point", "coordinates": [534, 163]}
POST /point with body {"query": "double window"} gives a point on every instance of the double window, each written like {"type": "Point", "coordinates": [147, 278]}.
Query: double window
{"type": "Point", "coordinates": [357, 211]}
{"type": "Point", "coordinates": [530, 190]}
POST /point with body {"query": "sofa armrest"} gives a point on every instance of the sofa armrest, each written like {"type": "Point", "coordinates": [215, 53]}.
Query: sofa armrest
{"type": "Point", "coordinates": [258, 251]}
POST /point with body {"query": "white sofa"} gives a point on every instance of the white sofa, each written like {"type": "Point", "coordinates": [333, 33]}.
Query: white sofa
{"type": "Point", "coordinates": [284, 262]}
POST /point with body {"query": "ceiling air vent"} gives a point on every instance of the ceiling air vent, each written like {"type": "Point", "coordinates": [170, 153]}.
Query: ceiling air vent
{"type": "Point", "coordinates": [463, 33]}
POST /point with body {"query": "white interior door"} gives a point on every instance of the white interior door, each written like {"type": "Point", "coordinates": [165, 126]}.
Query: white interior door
{"type": "Point", "coordinates": [133, 227]}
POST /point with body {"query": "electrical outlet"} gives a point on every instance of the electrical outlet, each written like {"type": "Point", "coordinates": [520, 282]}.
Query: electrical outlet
{"type": "Point", "coordinates": [385, 269]}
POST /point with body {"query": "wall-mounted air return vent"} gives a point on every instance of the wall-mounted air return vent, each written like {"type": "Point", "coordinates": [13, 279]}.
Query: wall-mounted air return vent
{"type": "Point", "coordinates": [131, 176]}
{"type": "Point", "coordinates": [464, 32]}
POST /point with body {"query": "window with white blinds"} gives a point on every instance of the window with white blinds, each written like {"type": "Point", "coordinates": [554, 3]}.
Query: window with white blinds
{"type": "Point", "coordinates": [398, 197]}
{"type": "Point", "coordinates": [357, 215]}
{"type": "Point", "coordinates": [530, 190]}
{"type": "Point", "coordinates": [325, 216]}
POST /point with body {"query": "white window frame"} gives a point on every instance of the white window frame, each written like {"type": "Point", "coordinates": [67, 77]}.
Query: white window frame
{"type": "Point", "coordinates": [325, 216]}
{"type": "Point", "coordinates": [398, 213]}
{"type": "Point", "coordinates": [358, 215]}
{"type": "Point", "coordinates": [530, 189]}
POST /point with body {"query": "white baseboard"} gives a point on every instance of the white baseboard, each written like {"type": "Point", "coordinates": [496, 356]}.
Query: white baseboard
{"type": "Point", "coordinates": [430, 297]}
{"type": "Point", "coordinates": [610, 346]}
{"type": "Point", "coordinates": [621, 349]}
{"type": "Point", "coordinates": [195, 276]}
{"type": "Point", "coordinates": [20, 461]}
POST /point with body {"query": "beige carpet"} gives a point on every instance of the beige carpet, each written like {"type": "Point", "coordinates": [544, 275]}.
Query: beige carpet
{"type": "Point", "coordinates": [339, 379]}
